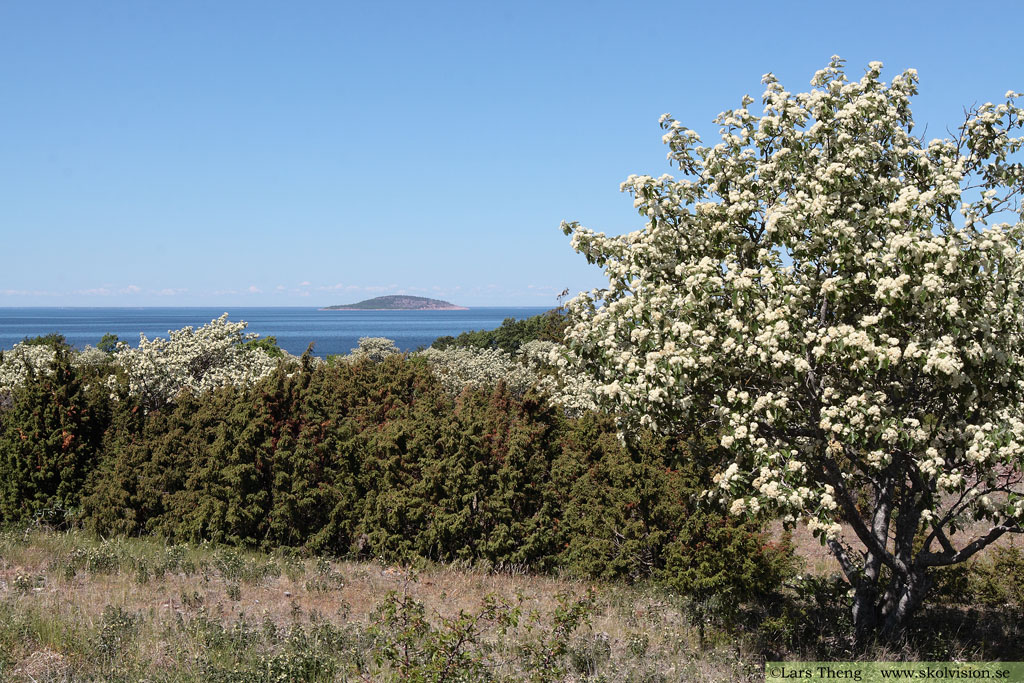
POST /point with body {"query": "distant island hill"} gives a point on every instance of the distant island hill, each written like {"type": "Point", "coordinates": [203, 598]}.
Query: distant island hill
{"type": "Point", "coordinates": [398, 303]}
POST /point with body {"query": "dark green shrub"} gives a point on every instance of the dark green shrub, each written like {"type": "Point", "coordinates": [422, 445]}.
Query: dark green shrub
{"type": "Point", "coordinates": [631, 511]}
{"type": "Point", "coordinates": [995, 579]}
{"type": "Point", "coordinates": [620, 506]}
{"type": "Point", "coordinates": [998, 579]}
{"type": "Point", "coordinates": [54, 340]}
{"type": "Point", "coordinates": [266, 344]}
{"type": "Point", "coordinates": [108, 343]}
{"type": "Point", "coordinates": [470, 483]}
{"type": "Point", "coordinates": [812, 618]}
{"type": "Point", "coordinates": [713, 556]}
{"type": "Point", "coordinates": [511, 335]}
{"type": "Point", "coordinates": [145, 460]}
{"type": "Point", "coordinates": [50, 438]}
{"type": "Point", "coordinates": [376, 460]}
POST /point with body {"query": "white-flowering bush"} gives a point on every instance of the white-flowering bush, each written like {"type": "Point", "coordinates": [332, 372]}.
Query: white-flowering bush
{"type": "Point", "coordinates": [844, 300]}
{"type": "Point", "coordinates": [200, 359]}
{"type": "Point", "coordinates": [90, 356]}
{"type": "Point", "coordinates": [375, 349]}
{"type": "Point", "coordinates": [459, 367]}
{"type": "Point", "coordinates": [15, 363]}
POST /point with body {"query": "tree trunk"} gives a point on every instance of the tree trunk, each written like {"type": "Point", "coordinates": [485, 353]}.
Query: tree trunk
{"type": "Point", "coordinates": [879, 616]}
{"type": "Point", "coordinates": [907, 598]}
{"type": "Point", "coordinates": [865, 613]}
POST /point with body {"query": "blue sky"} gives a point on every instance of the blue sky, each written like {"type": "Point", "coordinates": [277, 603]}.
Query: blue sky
{"type": "Point", "coordinates": [312, 153]}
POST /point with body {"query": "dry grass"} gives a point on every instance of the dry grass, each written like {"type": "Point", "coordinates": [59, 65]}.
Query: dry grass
{"type": "Point", "coordinates": [57, 625]}
{"type": "Point", "coordinates": [73, 607]}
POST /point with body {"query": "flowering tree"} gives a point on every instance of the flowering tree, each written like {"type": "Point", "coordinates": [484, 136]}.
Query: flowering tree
{"type": "Point", "coordinates": [843, 302]}
{"type": "Point", "coordinates": [212, 356]}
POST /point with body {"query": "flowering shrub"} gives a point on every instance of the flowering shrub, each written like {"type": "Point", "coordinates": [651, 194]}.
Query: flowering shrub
{"type": "Point", "coordinates": [844, 301]}
{"type": "Point", "coordinates": [521, 353]}
{"type": "Point", "coordinates": [374, 349]}
{"type": "Point", "coordinates": [458, 368]}
{"type": "Point", "coordinates": [575, 392]}
{"type": "Point", "coordinates": [212, 356]}
{"type": "Point", "coordinates": [15, 364]}
{"type": "Point", "coordinates": [91, 356]}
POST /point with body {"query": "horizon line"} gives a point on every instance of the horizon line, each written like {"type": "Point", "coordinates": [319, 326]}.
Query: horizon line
{"type": "Point", "coordinates": [317, 308]}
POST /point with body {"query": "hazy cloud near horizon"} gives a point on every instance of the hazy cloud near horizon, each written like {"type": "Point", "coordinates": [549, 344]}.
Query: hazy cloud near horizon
{"type": "Point", "coordinates": [255, 295]}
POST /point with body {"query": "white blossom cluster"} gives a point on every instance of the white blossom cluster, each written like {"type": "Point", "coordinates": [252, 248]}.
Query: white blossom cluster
{"type": "Point", "coordinates": [90, 356]}
{"type": "Point", "coordinates": [459, 367]}
{"type": "Point", "coordinates": [575, 392]}
{"type": "Point", "coordinates": [16, 361]}
{"type": "Point", "coordinates": [375, 349]}
{"type": "Point", "coordinates": [843, 299]}
{"type": "Point", "coordinates": [200, 359]}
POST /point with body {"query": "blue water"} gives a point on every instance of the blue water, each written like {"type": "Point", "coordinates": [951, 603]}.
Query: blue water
{"type": "Point", "coordinates": [331, 331]}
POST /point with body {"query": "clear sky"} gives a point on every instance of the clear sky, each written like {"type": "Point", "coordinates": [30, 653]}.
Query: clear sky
{"type": "Point", "coordinates": [314, 153]}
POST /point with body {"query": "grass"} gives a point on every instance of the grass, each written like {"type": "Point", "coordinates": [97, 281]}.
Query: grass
{"type": "Point", "coordinates": [137, 609]}
{"type": "Point", "coordinates": [74, 607]}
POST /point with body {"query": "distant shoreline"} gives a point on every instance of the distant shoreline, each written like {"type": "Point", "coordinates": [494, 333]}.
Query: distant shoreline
{"type": "Point", "coordinates": [294, 327]}
{"type": "Point", "coordinates": [453, 308]}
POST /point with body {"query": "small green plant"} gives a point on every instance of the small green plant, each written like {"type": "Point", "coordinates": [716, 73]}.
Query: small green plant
{"type": "Point", "coordinates": [118, 629]}
{"type": "Point", "coordinates": [294, 569]}
{"type": "Point", "coordinates": [142, 573]}
{"type": "Point", "coordinates": [23, 583]}
{"type": "Point", "coordinates": [230, 563]}
{"type": "Point", "coordinates": [404, 640]}
{"type": "Point", "coordinates": [102, 559]}
{"type": "Point", "coordinates": [327, 579]}
{"type": "Point", "coordinates": [998, 580]}
{"type": "Point", "coordinates": [174, 555]}
{"type": "Point", "coordinates": [176, 558]}
{"type": "Point", "coordinates": [638, 644]}
{"type": "Point", "coordinates": [588, 654]}
{"type": "Point", "coordinates": [192, 600]}
{"type": "Point", "coordinates": [545, 653]}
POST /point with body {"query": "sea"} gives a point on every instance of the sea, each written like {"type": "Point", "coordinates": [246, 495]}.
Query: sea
{"type": "Point", "coordinates": [330, 332]}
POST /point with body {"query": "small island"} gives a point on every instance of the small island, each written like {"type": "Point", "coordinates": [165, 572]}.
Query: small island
{"type": "Point", "coordinates": [398, 303]}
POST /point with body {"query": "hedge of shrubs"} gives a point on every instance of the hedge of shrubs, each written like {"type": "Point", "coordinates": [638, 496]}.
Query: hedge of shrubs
{"type": "Point", "coordinates": [374, 458]}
